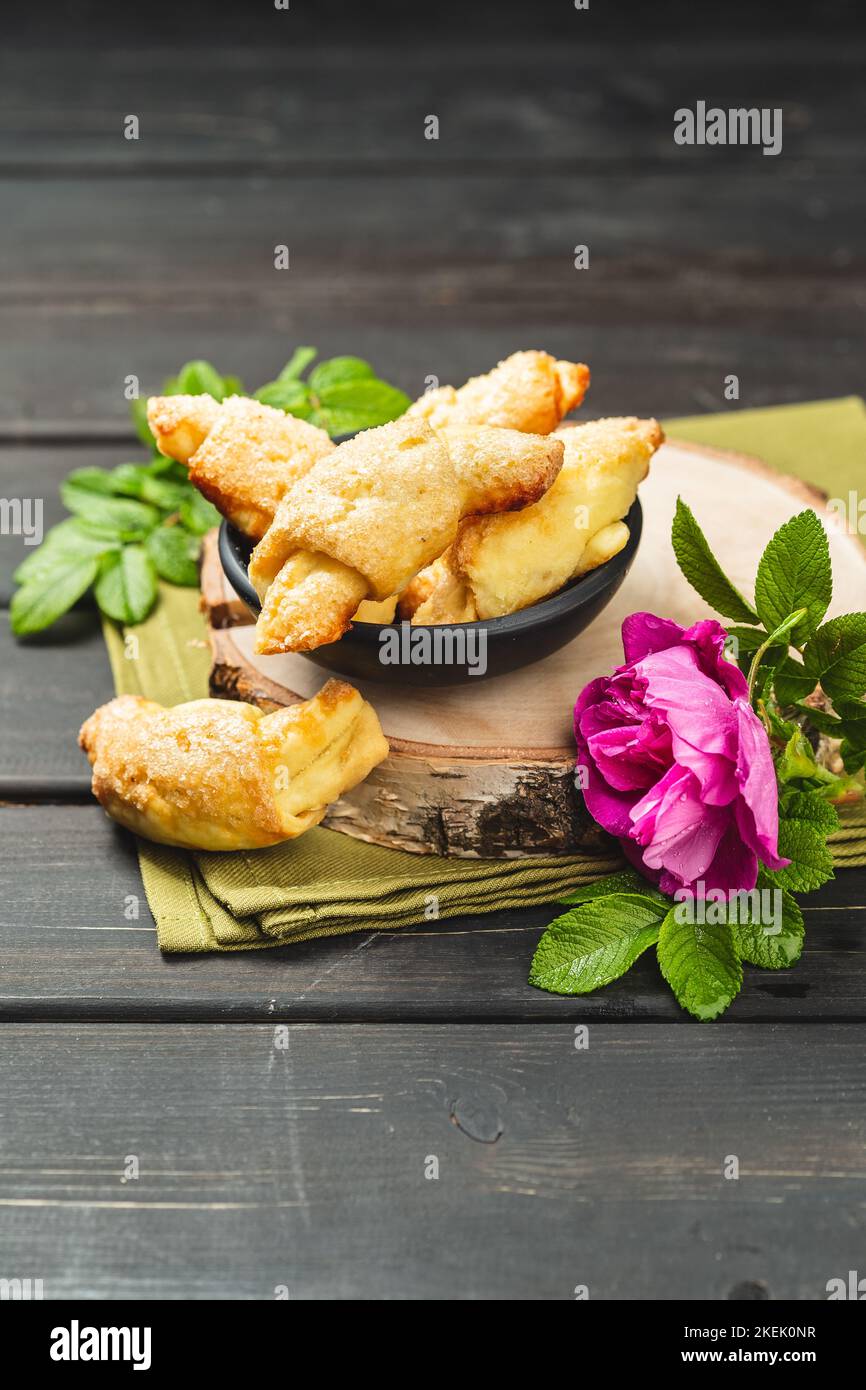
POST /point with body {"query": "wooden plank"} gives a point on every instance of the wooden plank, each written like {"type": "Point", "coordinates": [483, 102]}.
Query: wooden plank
{"type": "Point", "coordinates": [221, 235]}
{"type": "Point", "coordinates": [35, 473]}
{"type": "Point", "coordinates": [49, 684]}
{"type": "Point", "coordinates": [646, 362]}
{"type": "Point", "coordinates": [284, 106]}
{"type": "Point", "coordinates": [70, 952]}
{"type": "Point", "coordinates": [304, 1166]}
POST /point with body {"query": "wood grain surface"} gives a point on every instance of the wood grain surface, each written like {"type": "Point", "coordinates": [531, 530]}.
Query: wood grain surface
{"type": "Point", "coordinates": [298, 1158]}
{"type": "Point", "coordinates": [304, 1167]}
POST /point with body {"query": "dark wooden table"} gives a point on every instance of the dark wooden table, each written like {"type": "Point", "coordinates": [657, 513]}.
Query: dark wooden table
{"type": "Point", "coordinates": [305, 1167]}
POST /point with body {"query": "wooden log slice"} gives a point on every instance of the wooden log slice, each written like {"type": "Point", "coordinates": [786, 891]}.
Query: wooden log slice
{"type": "Point", "coordinates": [486, 769]}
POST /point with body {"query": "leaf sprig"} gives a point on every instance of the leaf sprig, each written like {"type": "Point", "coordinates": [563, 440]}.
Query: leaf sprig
{"type": "Point", "coordinates": [140, 522]}
{"type": "Point", "coordinates": [807, 679]}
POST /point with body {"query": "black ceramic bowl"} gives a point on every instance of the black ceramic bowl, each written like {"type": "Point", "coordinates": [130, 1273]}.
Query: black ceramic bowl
{"type": "Point", "coordinates": [416, 655]}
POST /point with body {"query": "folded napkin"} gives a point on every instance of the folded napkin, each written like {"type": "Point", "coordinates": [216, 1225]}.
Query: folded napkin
{"type": "Point", "coordinates": [325, 883]}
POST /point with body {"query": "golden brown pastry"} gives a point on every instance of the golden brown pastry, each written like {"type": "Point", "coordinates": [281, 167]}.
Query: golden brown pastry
{"type": "Point", "coordinates": [374, 512]}
{"type": "Point", "coordinates": [500, 564]}
{"type": "Point", "coordinates": [242, 455]}
{"type": "Point", "coordinates": [529, 391]}
{"type": "Point", "coordinates": [221, 775]}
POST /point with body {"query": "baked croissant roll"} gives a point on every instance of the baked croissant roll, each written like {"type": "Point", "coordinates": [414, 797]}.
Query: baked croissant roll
{"type": "Point", "coordinates": [222, 775]}
{"type": "Point", "coordinates": [500, 564]}
{"type": "Point", "coordinates": [242, 455]}
{"type": "Point", "coordinates": [375, 511]}
{"type": "Point", "coordinates": [529, 391]}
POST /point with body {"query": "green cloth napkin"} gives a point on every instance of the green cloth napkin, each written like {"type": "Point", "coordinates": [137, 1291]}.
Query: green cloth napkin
{"type": "Point", "coordinates": [325, 883]}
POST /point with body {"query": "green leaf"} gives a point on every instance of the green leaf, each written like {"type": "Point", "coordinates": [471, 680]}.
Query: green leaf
{"type": "Point", "coordinates": [43, 600]}
{"type": "Point", "coordinates": [805, 821]}
{"type": "Point", "coordinates": [297, 363]}
{"type": "Point", "coordinates": [121, 515]}
{"type": "Point", "coordinates": [594, 944]}
{"type": "Point", "coordinates": [166, 493]}
{"type": "Point", "coordinates": [794, 572]}
{"type": "Point", "coordinates": [792, 683]}
{"type": "Point", "coordinates": [291, 396]}
{"type": "Point", "coordinates": [98, 481]}
{"type": "Point", "coordinates": [126, 588]}
{"type": "Point", "coordinates": [198, 514]}
{"type": "Point", "coordinates": [174, 552]}
{"type": "Point", "coordinates": [337, 371]}
{"type": "Point", "coordinates": [624, 881]}
{"type": "Point", "coordinates": [702, 569]}
{"type": "Point", "coordinates": [699, 963]}
{"type": "Point", "coordinates": [127, 479]}
{"type": "Point", "coordinates": [64, 542]}
{"type": "Point", "coordinates": [199, 378]}
{"type": "Point", "coordinates": [797, 759]}
{"type": "Point", "coordinates": [774, 945]}
{"type": "Point", "coordinates": [785, 626]}
{"type": "Point", "coordinates": [836, 656]}
{"type": "Point", "coordinates": [360, 405]}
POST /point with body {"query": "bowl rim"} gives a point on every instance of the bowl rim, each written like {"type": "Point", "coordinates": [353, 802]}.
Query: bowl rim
{"type": "Point", "coordinates": [575, 594]}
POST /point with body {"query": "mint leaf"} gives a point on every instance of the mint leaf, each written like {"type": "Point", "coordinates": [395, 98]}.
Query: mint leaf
{"type": "Point", "coordinates": [700, 965]}
{"type": "Point", "coordinates": [337, 371]}
{"type": "Point", "coordinates": [126, 588]}
{"type": "Point", "coordinates": [118, 515]}
{"type": "Point", "coordinates": [64, 542]}
{"type": "Point", "coordinates": [794, 572]}
{"type": "Point", "coordinates": [43, 599]}
{"type": "Point", "coordinates": [197, 514]}
{"type": "Point", "coordinates": [594, 944]}
{"type": "Point", "coordinates": [836, 656]}
{"type": "Point", "coordinates": [624, 881]}
{"type": "Point", "coordinates": [200, 379]}
{"type": "Point", "coordinates": [291, 396]}
{"type": "Point", "coordinates": [297, 363]}
{"type": "Point", "coordinates": [702, 569]}
{"type": "Point", "coordinates": [90, 480]}
{"type": "Point", "coordinates": [174, 552]}
{"type": "Point", "coordinates": [760, 943]}
{"type": "Point", "coordinates": [805, 821]}
{"type": "Point", "coordinates": [359, 405]}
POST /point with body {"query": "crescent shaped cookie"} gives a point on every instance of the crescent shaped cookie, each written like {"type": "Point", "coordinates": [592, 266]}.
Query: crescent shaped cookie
{"type": "Point", "coordinates": [242, 456]}
{"type": "Point", "coordinates": [223, 775]}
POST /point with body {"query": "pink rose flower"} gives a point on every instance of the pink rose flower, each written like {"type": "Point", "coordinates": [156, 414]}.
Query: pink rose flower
{"type": "Point", "coordinates": [678, 765]}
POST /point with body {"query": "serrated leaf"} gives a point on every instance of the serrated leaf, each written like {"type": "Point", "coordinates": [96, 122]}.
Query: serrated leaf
{"type": "Point", "coordinates": [702, 569]}
{"type": "Point", "coordinates": [66, 541]}
{"type": "Point", "coordinates": [127, 479]}
{"type": "Point", "coordinates": [624, 881]}
{"type": "Point", "coordinates": [291, 396]}
{"type": "Point", "coordinates": [126, 589]}
{"type": "Point", "coordinates": [792, 683]}
{"type": "Point", "coordinates": [174, 552]}
{"type": "Point", "coordinates": [197, 514]}
{"type": "Point", "coordinates": [44, 599]}
{"type": "Point", "coordinates": [200, 378]}
{"type": "Point", "coordinates": [121, 515]}
{"type": "Point", "coordinates": [836, 656]}
{"type": "Point", "coordinates": [297, 363]}
{"type": "Point", "coordinates": [337, 371]}
{"type": "Point", "coordinates": [700, 964]}
{"type": "Point", "coordinates": [805, 821]}
{"type": "Point", "coordinates": [794, 572]}
{"type": "Point", "coordinates": [594, 944]}
{"type": "Point", "coordinates": [773, 945]}
{"type": "Point", "coordinates": [361, 405]}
